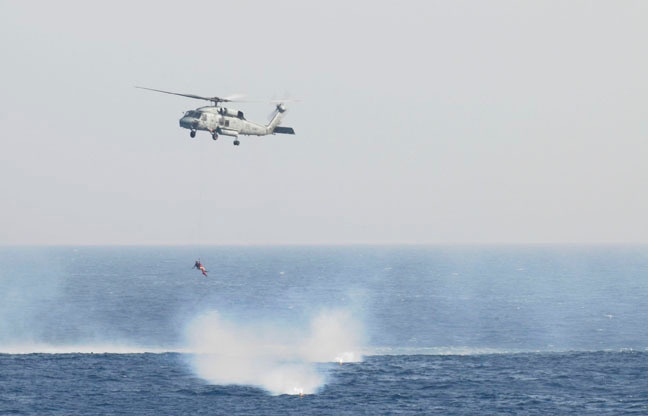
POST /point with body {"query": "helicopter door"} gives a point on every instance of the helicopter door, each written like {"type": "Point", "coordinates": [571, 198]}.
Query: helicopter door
{"type": "Point", "coordinates": [208, 121]}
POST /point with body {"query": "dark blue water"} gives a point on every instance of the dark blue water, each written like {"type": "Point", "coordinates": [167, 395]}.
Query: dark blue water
{"type": "Point", "coordinates": [152, 384]}
{"type": "Point", "coordinates": [421, 330]}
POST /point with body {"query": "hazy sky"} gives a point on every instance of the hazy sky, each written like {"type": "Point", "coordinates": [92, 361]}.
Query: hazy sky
{"type": "Point", "coordinates": [419, 122]}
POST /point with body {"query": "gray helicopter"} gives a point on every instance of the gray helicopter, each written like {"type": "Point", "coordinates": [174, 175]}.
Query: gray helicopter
{"type": "Point", "coordinates": [228, 122]}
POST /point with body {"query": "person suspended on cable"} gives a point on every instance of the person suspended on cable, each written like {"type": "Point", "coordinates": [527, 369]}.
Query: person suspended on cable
{"type": "Point", "coordinates": [198, 265]}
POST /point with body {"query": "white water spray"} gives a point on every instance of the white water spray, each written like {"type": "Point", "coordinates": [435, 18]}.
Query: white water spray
{"type": "Point", "coordinates": [279, 361]}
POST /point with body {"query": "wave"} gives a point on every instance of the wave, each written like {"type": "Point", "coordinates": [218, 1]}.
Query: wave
{"type": "Point", "coordinates": [23, 349]}
{"type": "Point", "coordinates": [451, 350]}
{"type": "Point", "coordinates": [476, 351]}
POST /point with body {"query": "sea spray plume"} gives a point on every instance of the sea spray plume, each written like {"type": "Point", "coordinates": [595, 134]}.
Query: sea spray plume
{"type": "Point", "coordinates": [225, 353]}
{"type": "Point", "coordinates": [268, 357]}
{"type": "Point", "coordinates": [335, 337]}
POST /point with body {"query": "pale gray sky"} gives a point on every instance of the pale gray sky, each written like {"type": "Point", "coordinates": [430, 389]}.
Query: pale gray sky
{"type": "Point", "coordinates": [419, 122]}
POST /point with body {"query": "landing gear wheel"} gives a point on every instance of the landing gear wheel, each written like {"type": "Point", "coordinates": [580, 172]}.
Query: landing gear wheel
{"type": "Point", "coordinates": [192, 133]}
{"type": "Point", "coordinates": [236, 142]}
{"type": "Point", "coordinates": [215, 136]}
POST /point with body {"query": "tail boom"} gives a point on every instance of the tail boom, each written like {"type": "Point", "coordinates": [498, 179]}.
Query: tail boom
{"type": "Point", "coordinates": [274, 127]}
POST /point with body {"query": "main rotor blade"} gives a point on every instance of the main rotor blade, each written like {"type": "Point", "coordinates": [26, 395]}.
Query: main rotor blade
{"type": "Point", "coordinates": [215, 100]}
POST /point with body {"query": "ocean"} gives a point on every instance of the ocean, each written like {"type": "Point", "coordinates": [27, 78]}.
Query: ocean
{"type": "Point", "coordinates": [447, 330]}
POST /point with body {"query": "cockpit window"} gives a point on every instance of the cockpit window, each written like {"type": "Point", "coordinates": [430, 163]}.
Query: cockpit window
{"type": "Point", "coordinates": [192, 113]}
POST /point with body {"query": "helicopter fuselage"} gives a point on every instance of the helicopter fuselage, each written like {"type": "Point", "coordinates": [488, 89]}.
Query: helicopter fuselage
{"type": "Point", "coordinates": [221, 120]}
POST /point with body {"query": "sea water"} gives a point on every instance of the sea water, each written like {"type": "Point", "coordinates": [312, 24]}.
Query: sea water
{"type": "Point", "coordinates": [324, 330]}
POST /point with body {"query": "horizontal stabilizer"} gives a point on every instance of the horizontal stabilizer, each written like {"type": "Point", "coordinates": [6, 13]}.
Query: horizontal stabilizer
{"type": "Point", "coordinates": [283, 130]}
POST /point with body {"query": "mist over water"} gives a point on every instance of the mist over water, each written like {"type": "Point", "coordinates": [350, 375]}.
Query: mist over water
{"type": "Point", "coordinates": [275, 357]}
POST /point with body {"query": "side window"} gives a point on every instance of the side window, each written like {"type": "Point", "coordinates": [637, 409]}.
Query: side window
{"type": "Point", "coordinates": [226, 123]}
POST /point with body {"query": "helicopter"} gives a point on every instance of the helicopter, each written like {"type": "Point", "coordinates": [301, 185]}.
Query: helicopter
{"type": "Point", "coordinates": [226, 121]}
